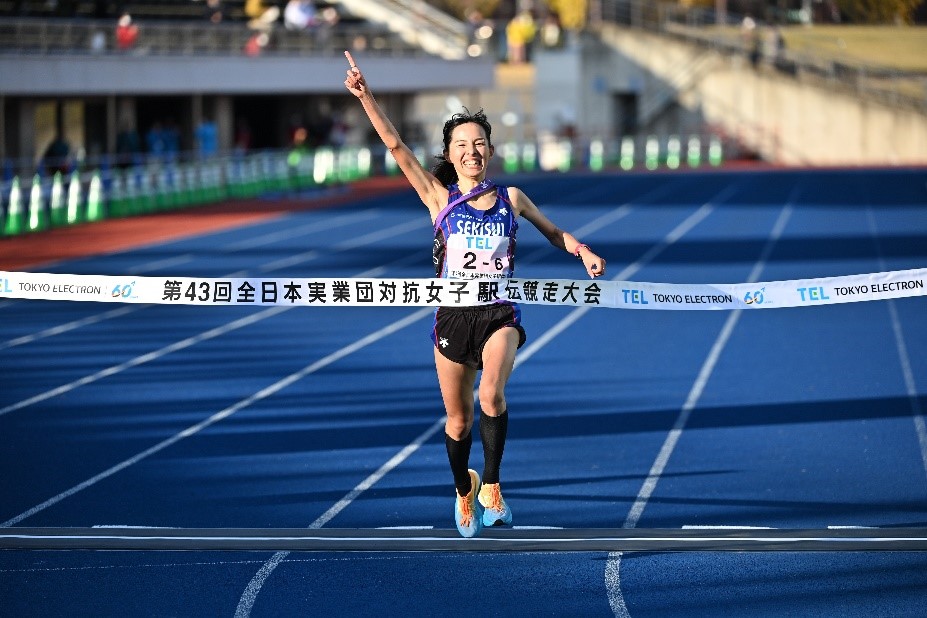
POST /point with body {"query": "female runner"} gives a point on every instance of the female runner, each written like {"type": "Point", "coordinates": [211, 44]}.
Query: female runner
{"type": "Point", "coordinates": [475, 223]}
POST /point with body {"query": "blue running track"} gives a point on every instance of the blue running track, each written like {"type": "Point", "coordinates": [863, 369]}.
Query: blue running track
{"type": "Point", "coordinates": [234, 418]}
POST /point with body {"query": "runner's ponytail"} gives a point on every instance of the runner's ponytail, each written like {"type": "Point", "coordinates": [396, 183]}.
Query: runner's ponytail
{"type": "Point", "coordinates": [444, 171]}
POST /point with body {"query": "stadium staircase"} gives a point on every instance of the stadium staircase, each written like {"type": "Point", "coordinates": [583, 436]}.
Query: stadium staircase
{"type": "Point", "coordinates": [417, 23]}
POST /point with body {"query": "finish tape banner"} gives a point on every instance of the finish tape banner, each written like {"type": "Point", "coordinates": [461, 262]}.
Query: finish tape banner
{"type": "Point", "coordinates": [361, 292]}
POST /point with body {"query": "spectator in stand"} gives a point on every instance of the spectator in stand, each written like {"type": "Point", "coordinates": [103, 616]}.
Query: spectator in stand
{"type": "Point", "coordinates": [207, 138]}
{"type": "Point", "coordinates": [520, 33]}
{"type": "Point", "coordinates": [215, 11]}
{"type": "Point", "coordinates": [126, 32]}
{"type": "Point", "coordinates": [154, 141]}
{"type": "Point", "coordinates": [551, 32]}
{"type": "Point", "coordinates": [338, 133]}
{"type": "Point", "coordinates": [171, 136]}
{"type": "Point", "coordinates": [299, 15]}
{"type": "Point", "coordinates": [242, 137]}
{"type": "Point", "coordinates": [475, 21]}
{"type": "Point", "coordinates": [256, 44]}
{"type": "Point", "coordinates": [261, 16]}
{"type": "Point", "coordinates": [57, 156]}
{"type": "Point", "coordinates": [327, 22]}
{"type": "Point", "coordinates": [128, 146]}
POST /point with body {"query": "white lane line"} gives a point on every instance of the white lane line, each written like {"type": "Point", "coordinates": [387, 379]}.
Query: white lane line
{"type": "Point", "coordinates": [920, 426]}
{"type": "Point", "coordinates": [291, 260]}
{"type": "Point", "coordinates": [145, 358]}
{"type": "Point", "coordinates": [628, 272]}
{"type": "Point", "coordinates": [722, 527]}
{"type": "Point", "coordinates": [309, 228]}
{"type": "Point", "coordinates": [241, 404]}
{"type": "Point", "coordinates": [182, 259]}
{"type": "Point", "coordinates": [223, 414]}
{"type": "Point", "coordinates": [170, 262]}
{"type": "Point", "coordinates": [249, 596]}
{"type": "Point", "coordinates": [199, 563]}
{"type": "Point", "coordinates": [72, 325]}
{"type": "Point", "coordinates": [419, 540]}
{"type": "Point", "coordinates": [613, 564]}
{"type": "Point", "coordinates": [377, 235]}
{"type": "Point", "coordinates": [180, 345]}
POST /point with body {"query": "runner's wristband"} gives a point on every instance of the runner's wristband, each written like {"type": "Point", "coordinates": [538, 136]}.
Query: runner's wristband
{"type": "Point", "coordinates": [580, 248]}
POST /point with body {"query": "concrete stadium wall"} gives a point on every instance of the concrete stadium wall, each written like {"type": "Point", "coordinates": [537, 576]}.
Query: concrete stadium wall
{"type": "Point", "coordinates": [786, 119]}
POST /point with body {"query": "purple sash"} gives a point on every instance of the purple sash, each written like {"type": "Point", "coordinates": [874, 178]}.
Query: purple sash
{"type": "Point", "coordinates": [479, 189]}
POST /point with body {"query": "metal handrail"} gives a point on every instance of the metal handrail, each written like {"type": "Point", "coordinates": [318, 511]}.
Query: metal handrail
{"type": "Point", "coordinates": [885, 84]}
{"type": "Point", "coordinates": [51, 36]}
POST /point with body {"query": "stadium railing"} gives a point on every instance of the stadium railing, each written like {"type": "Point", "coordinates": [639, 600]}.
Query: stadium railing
{"type": "Point", "coordinates": [75, 192]}
{"type": "Point", "coordinates": [168, 37]}
{"type": "Point", "coordinates": [887, 85]}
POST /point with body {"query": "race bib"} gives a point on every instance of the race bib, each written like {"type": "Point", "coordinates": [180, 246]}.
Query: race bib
{"type": "Point", "coordinates": [477, 257]}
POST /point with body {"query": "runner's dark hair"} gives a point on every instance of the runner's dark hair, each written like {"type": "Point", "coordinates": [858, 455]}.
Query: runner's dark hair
{"type": "Point", "coordinates": [443, 169]}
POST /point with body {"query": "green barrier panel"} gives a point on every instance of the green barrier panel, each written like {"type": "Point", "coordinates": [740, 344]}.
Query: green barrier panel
{"type": "Point", "coordinates": [138, 188]}
{"type": "Point", "coordinates": [175, 187]}
{"type": "Point", "coordinates": [652, 153]}
{"type": "Point", "coordinates": [392, 168]}
{"type": "Point", "coordinates": [283, 180]}
{"type": "Point", "coordinates": [117, 205]}
{"type": "Point", "coordinates": [95, 209]}
{"type": "Point", "coordinates": [203, 193]}
{"type": "Point", "coordinates": [422, 157]}
{"type": "Point", "coordinates": [673, 152]}
{"type": "Point", "coordinates": [134, 204]}
{"type": "Point", "coordinates": [307, 169]}
{"type": "Point", "coordinates": [149, 200]}
{"type": "Point", "coordinates": [715, 151]}
{"type": "Point", "coordinates": [296, 164]}
{"type": "Point", "coordinates": [596, 155]}
{"type": "Point", "coordinates": [213, 188]}
{"type": "Point", "coordinates": [510, 157]}
{"type": "Point", "coordinates": [15, 215]}
{"type": "Point", "coordinates": [233, 179]}
{"type": "Point", "coordinates": [364, 162]}
{"type": "Point", "coordinates": [268, 175]}
{"type": "Point", "coordinates": [627, 153]}
{"type": "Point", "coordinates": [566, 156]}
{"type": "Point", "coordinates": [348, 164]}
{"type": "Point", "coordinates": [185, 185]}
{"type": "Point", "coordinates": [257, 180]}
{"type": "Point", "coordinates": [323, 167]}
{"type": "Point", "coordinates": [343, 165]}
{"type": "Point", "coordinates": [56, 202]}
{"type": "Point", "coordinates": [165, 191]}
{"type": "Point", "coordinates": [183, 194]}
{"type": "Point", "coordinates": [37, 218]}
{"type": "Point", "coordinates": [529, 157]}
{"type": "Point", "coordinates": [244, 177]}
{"type": "Point", "coordinates": [74, 198]}
{"type": "Point", "coordinates": [694, 152]}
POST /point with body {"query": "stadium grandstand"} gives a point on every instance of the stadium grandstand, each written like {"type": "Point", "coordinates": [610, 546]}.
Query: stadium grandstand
{"type": "Point", "coordinates": [92, 85]}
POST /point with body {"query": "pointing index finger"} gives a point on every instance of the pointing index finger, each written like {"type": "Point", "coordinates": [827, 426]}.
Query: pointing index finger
{"type": "Point", "coordinates": [350, 58]}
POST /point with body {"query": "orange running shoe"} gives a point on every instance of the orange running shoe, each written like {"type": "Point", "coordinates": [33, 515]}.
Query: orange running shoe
{"type": "Point", "coordinates": [496, 512]}
{"type": "Point", "coordinates": [468, 513]}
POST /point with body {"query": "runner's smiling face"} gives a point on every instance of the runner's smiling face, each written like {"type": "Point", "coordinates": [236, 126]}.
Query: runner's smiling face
{"type": "Point", "coordinates": [469, 151]}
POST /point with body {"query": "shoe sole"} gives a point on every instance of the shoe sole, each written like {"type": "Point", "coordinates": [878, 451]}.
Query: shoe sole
{"type": "Point", "coordinates": [498, 522]}
{"type": "Point", "coordinates": [477, 507]}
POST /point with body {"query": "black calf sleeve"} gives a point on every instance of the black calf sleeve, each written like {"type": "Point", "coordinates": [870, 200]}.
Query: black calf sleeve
{"type": "Point", "coordinates": [458, 453]}
{"type": "Point", "coordinates": [493, 430]}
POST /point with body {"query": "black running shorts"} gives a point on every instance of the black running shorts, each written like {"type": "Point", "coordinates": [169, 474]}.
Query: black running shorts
{"type": "Point", "coordinates": [460, 333]}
